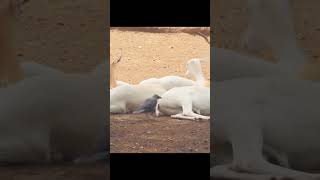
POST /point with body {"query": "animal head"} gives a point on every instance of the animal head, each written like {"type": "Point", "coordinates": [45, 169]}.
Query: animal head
{"type": "Point", "coordinates": [156, 96]}
{"type": "Point", "coordinates": [193, 67]}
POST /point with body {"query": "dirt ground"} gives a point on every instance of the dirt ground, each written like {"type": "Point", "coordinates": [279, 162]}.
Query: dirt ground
{"type": "Point", "coordinates": [147, 55]}
{"type": "Point", "coordinates": [145, 133]}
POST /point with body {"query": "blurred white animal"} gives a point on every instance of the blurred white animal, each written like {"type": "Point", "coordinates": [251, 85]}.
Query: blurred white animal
{"type": "Point", "coordinates": [271, 25]}
{"type": "Point", "coordinates": [265, 112]}
{"type": "Point", "coordinates": [128, 98]}
{"type": "Point", "coordinates": [52, 118]}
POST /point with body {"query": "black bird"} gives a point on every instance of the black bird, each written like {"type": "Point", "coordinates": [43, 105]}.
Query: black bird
{"type": "Point", "coordinates": [148, 105]}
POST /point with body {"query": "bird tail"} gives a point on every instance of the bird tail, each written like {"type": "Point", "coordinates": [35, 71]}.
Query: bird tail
{"type": "Point", "coordinates": [138, 111]}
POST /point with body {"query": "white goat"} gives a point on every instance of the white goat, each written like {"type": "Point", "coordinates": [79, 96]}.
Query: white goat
{"type": "Point", "coordinates": [194, 69]}
{"type": "Point", "coordinates": [182, 102]}
{"type": "Point", "coordinates": [279, 113]}
{"type": "Point", "coordinates": [169, 82]}
{"type": "Point", "coordinates": [270, 26]}
{"type": "Point", "coordinates": [128, 98]}
{"type": "Point", "coordinates": [52, 118]}
{"type": "Point", "coordinates": [268, 111]}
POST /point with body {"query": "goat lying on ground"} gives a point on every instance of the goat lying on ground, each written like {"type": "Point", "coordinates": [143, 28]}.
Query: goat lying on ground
{"type": "Point", "coordinates": [173, 97]}
{"type": "Point", "coordinates": [275, 112]}
{"type": "Point", "coordinates": [128, 98]}
{"type": "Point", "coordinates": [267, 111]}
{"type": "Point", "coordinates": [63, 118]}
{"type": "Point", "coordinates": [181, 102]}
{"type": "Point", "coordinates": [193, 69]}
{"type": "Point", "coordinates": [169, 82]}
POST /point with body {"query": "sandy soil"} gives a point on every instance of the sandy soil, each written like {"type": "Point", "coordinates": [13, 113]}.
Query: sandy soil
{"type": "Point", "coordinates": [147, 55]}
{"type": "Point", "coordinates": [147, 133]}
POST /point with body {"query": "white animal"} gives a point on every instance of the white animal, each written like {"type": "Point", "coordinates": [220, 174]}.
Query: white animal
{"type": "Point", "coordinates": [128, 98]}
{"type": "Point", "coordinates": [183, 102]}
{"type": "Point", "coordinates": [279, 113]}
{"type": "Point", "coordinates": [228, 65]}
{"type": "Point", "coordinates": [271, 25]}
{"type": "Point", "coordinates": [52, 118]}
{"type": "Point", "coordinates": [194, 69]}
{"type": "Point", "coordinates": [169, 82]}
{"type": "Point", "coordinates": [269, 112]}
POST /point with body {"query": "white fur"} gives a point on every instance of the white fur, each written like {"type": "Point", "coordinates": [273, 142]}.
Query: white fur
{"type": "Point", "coordinates": [169, 82]}
{"type": "Point", "coordinates": [45, 116]}
{"type": "Point", "coordinates": [182, 102]}
{"type": "Point", "coordinates": [127, 98]}
{"type": "Point", "coordinates": [194, 69]}
{"type": "Point", "coordinates": [271, 25]}
{"type": "Point", "coordinates": [268, 112]}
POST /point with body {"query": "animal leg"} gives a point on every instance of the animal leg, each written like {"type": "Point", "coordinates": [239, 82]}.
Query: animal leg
{"type": "Point", "coordinates": [187, 110]}
{"type": "Point", "coordinates": [157, 108]}
{"type": "Point", "coordinates": [197, 116]}
{"type": "Point", "coordinates": [181, 116]}
{"type": "Point", "coordinates": [247, 145]}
